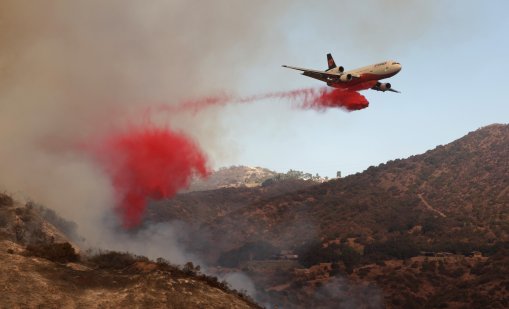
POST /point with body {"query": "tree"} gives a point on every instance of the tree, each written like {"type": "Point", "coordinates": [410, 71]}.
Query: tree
{"type": "Point", "coordinates": [314, 253]}
{"type": "Point", "coordinates": [350, 257]}
{"type": "Point", "coordinates": [399, 247]}
{"type": "Point", "coordinates": [258, 250]}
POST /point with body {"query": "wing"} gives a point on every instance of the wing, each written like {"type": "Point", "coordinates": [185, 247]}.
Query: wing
{"type": "Point", "coordinates": [321, 75]}
{"type": "Point", "coordinates": [324, 76]}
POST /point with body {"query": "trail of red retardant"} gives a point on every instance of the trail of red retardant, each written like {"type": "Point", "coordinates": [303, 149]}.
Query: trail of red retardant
{"type": "Point", "coordinates": [154, 163]}
{"type": "Point", "coordinates": [307, 98]}
{"type": "Point", "coordinates": [338, 98]}
{"type": "Point", "coordinates": [148, 163]}
{"type": "Point", "coordinates": [318, 99]}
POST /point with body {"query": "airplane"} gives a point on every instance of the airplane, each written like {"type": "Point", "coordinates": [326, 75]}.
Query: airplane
{"type": "Point", "coordinates": [367, 77]}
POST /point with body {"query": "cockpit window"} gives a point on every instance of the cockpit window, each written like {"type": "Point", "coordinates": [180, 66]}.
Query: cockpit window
{"type": "Point", "coordinates": [395, 63]}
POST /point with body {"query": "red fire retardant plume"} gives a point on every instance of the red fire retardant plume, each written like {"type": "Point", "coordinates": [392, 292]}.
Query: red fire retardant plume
{"type": "Point", "coordinates": [148, 163]}
{"type": "Point", "coordinates": [307, 98]}
{"type": "Point", "coordinates": [154, 163]}
{"type": "Point", "coordinates": [337, 98]}
{"type": "Point", "coordinates": [319, 99]}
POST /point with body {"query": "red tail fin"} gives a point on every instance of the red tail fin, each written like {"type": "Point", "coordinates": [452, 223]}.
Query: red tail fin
{"type": "Point", "coordinates": [330, 62]}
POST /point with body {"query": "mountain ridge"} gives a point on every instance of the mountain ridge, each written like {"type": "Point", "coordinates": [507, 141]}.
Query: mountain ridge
{"type": "Point", "coordinates": [416, 181]}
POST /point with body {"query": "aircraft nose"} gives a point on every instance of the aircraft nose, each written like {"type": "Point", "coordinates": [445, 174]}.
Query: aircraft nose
{"type": "Point", "coordinates": [398, 67]}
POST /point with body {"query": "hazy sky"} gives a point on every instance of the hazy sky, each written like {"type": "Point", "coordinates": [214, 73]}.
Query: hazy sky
{"type": "Point", "coordinates": [73, 70]}
{"type": "Point", "coordinates": [454, 57]}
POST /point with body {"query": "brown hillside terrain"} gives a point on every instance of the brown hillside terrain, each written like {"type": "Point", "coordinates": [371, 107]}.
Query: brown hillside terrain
{"type": "Point", "coordinates": [455, 193]}
{"type": "Point", "coordinates": [41, 270]}
{"type": "Point", "coordinates": [200, 207]}
{"type": "Point", "coordinates": [233, 177]}
{"type": "Point", "coordinates": [444, 203]}
{"type": "Point", "coordinates": [446, 282]}
{"type": "Point", "coordinates": [399, 235]}
{"type": "Point", "coordinates": [33, 282]}
{"type": "Point", "coordinates": [420, 282]}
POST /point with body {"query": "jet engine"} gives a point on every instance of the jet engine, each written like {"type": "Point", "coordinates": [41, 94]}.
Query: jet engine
{"type": "Point", "coordinates": [345, 77]}
{"type": "Point", "coordinates": [341, 69]}
{"type": "Point", "coordinates": [384, 86]}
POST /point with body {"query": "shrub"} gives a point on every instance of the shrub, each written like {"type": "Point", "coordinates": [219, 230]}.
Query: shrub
{"type": "Point", "coordinates": [68, 227]}
{"type": "Point", "coordinates": [6, 200]}
{"type": "Point", "coordinates": [115, 260]}
{"type": "Point", "coordinates": [458, 272]}
{"type": "Point", "coordinates": [4, 220]}
{"type": "Point", "coordinates": [350, 257]}
{"type": "Point", "coordinates": [56, 252]}
{"type": "Point", "coordinates": [190, 269]}
{"type": "Point", "coordinates": [258, 250]}
{"type": "Point", "coordinates": [314, 253]}
{"type": "Point", "coordinates": [432, 225]}
{"type": "Point", "coordinates": [400, 248]}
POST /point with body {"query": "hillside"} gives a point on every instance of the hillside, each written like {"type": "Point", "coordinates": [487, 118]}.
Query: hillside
{"type": "Point", "coordinates": [247, 177]}
{"type": "Point", "coordinates": [457, 193]}
{"type": "Point", "coordinates": [233, 177]}
{"type": "Point", "coordinates": [430, 231]}
{"type": "Point", "coordinates": [40, 269]}
{"type": "Point", "coordinates": [399, 235]}
{"type": "Point", "coordinates": [454, 281]}
{"type": "Point", "coordinates": [200, 207]}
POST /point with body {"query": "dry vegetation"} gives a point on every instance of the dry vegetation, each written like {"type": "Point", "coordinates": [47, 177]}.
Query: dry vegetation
{"type": "Point", "coordinates": [39, 270]}
{"type": "Point", "coordinates": [450, 201]}
{"type": "Point", "coordinates": [399, 235]}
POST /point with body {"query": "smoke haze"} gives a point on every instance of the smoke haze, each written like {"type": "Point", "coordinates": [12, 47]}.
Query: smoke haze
{"type": "Point", "coordinates": [72, 70]}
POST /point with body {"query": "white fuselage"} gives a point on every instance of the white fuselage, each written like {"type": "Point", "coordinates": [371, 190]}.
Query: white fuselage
{"type": "Point", "coordinates": [375, 71]}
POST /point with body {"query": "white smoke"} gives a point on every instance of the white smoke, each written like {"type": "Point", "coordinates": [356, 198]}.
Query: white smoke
{"type": "Point", "coordinates": [70, 70]}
